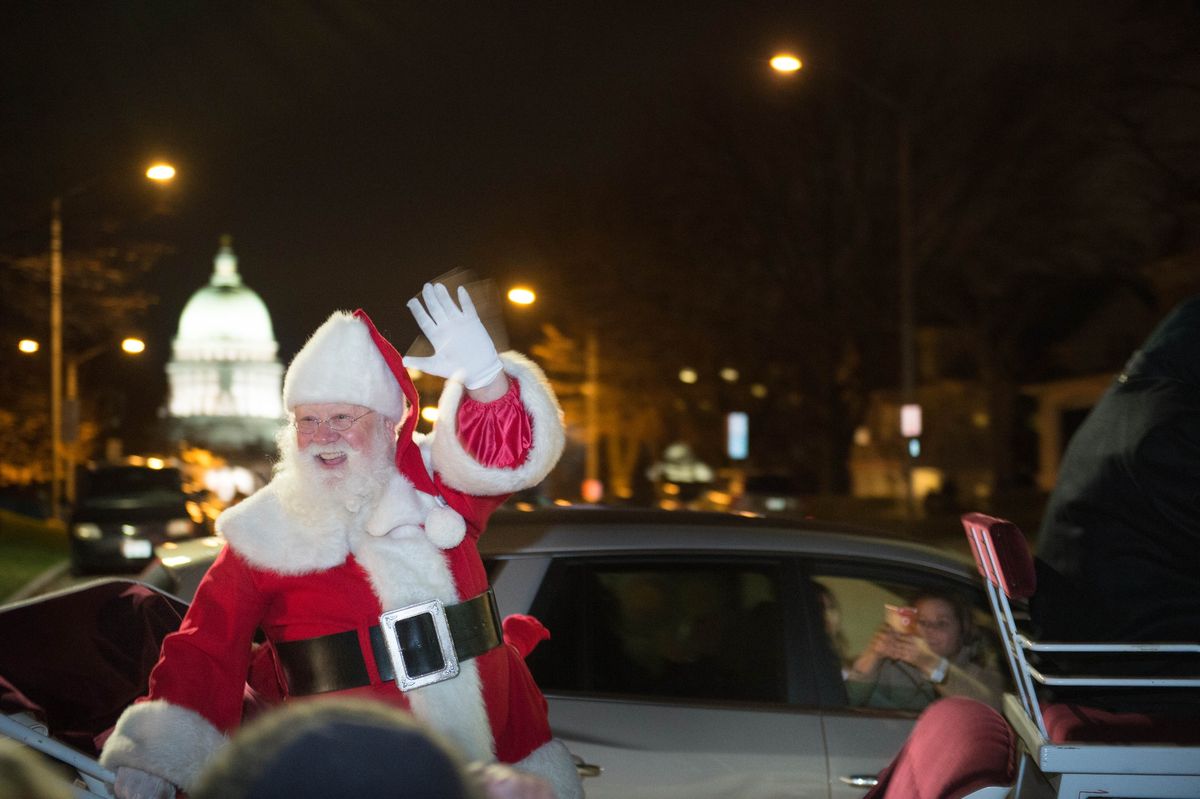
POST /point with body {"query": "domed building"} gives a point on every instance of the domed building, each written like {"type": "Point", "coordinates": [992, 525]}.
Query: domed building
{"type": "Point", "coordinates": [224, 377]}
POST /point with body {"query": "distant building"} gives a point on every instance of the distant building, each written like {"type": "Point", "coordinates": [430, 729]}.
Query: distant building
{"type": "Point", "coordinates": [224, 377]}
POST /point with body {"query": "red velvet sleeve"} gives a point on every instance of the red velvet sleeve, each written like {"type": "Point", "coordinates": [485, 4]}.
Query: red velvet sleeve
{"type": "Point", "coordinates": [204, 664]}
{"type": "Point", "coordinates": [499, 433]}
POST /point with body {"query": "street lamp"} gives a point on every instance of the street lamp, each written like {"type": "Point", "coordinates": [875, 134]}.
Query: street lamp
{"type": "Point", "coordinates": [787, 64]}
{"type": "Point", "coordinates": [521, 295]}
{"type": "Point", "coordinates": [160, 173]}
{"type": "Point", "coordinates": [131, 346]}
{"type": "Point", "coordinates": [592, 489]}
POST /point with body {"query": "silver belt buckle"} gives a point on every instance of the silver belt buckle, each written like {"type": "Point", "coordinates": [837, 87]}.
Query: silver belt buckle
{"type": "Point", "coordinates": [434, 607]}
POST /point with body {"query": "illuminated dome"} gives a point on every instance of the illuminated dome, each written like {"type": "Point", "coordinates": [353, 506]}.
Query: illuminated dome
{"type": "Point", "coordinates": [225, 377]}
{"type": "Point", "coordinates": [226, 318]}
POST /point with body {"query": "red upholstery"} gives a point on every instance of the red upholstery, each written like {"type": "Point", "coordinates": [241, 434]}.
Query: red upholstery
{"type": "Point", "coordinates": [957, 746]}
{"type": "Point", "coordinates": [1017, 576]}
{"type": "Point", "coordinates": [1067, 723]}
{"type": "Point", "coordinates": [75, 659]}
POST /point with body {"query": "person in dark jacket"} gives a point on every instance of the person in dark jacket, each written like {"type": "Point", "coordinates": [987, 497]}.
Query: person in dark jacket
{"type": "Point", "coordinates": [1119, 544]}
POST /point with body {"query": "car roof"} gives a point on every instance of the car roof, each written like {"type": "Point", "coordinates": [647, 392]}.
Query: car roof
{"type": "Point", "coordinates": [596, 530]}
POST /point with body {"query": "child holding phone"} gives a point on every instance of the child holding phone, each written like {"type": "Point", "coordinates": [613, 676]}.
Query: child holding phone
{"type": "Point", "coordinates": [922, 652]}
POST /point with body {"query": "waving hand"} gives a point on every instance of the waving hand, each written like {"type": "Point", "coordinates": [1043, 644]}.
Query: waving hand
{"type": "Point", "coordinates": [461, 344]}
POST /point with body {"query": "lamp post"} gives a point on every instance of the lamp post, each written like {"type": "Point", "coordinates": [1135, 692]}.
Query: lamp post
{"type": "Point", "coordinates": [788, 64]}
{"type": "Point", "coordinates": [55, 356]}
{"type": "Point", "coordinates": [160, 173]}
{"type": "Point", "coordinates": [71, 415]}
{"type": "Point", "coordinates": [592, 489]}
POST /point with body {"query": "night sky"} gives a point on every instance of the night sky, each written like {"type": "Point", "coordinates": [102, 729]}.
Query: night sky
{"type": "Point", "coordinates": [351, 149]}
{"type": "Point", "coordinates": [355, 149]}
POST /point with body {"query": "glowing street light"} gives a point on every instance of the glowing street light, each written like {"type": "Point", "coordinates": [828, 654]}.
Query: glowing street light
{"type": "Point", "coordinates": [161, 173]}
{"type": "Point", "coordinates": [786, 62]}
{"type": "Point", "coordinates": [904, 246]}
{"type": "Point", "coordinates": [133, 346]}
{"type": "Point", "coordinates": [28, 346]}
{"type": "Point", "coordinates": [70, 408]}
{"type": "Point", "coordinates": [592, 489]}
{"type": "Point", "coordinates": [519, 295]}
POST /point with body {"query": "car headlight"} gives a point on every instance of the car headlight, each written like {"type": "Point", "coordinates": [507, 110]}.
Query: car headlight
{"type": "Point", "coordinates": [86, 530]}
{"type": "Point", "coordinates": [178, 528]}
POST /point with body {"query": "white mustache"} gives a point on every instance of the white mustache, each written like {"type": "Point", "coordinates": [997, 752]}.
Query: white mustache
{"type": "Point", "coordinates": [324, 449]}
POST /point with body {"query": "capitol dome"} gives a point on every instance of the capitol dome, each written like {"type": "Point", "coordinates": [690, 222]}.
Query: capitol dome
{"type": "Point", "coordinates": [226, 318]}
{"type": "Point", "coordinates": [225, 377]}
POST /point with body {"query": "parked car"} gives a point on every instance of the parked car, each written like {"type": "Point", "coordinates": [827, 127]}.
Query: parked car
{"type": "Point", "coordinates": [124, 512]}
{"type": "Point", "coordinates": [689, 652]}
{"type": "Point", "coordinates": [770, 494]}
{"type": "Point", "coordinates": [179, 566]}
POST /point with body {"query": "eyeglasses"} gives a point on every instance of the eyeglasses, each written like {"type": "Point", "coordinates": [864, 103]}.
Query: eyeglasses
{"type": "Point", "coordinates": [338, 423]}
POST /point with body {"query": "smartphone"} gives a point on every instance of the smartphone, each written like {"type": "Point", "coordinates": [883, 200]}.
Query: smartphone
{"type": "Point", "coordinates": [901, 619]}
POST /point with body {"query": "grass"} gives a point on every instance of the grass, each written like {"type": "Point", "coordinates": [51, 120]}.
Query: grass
{"type": "Point", "coordinates": [28, 547]}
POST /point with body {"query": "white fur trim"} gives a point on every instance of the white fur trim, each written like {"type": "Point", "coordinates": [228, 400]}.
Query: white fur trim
{"type": "Point", "coordinates": [552, 761]}
{"type": "Point", "coordinates": [340, 362]}
{"type": "Point", "coordinates": [401, 505]}
{"type": "Point", "coordinates": [163, 739]}
{"type": "Point", "coordinates": [267, 536]}
{"type": "Point", "coordinates": [405, 569]}
{"type": "Point", "coordinates": [404, 509]}
{"type": "Point", "coordinates": [459, 470]}
{"type": "Point", "coordinates": [445, 527]}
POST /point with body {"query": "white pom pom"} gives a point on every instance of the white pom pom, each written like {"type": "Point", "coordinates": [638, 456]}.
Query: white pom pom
{"type": "Point", "coordinates": [445, 527]}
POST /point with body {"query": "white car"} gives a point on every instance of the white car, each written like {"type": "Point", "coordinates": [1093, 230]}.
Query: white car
{"type": "Point", "coordinates": [691, 654]}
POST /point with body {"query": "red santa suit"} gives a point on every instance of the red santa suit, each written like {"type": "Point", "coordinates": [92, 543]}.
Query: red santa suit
{"type": "Point", "coordinates": [299, 576]}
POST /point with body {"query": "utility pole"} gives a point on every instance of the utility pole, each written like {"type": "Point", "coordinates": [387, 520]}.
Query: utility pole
{"type": "Point", "coordinates": [592, 486]}
{"type": "Point", "coordinates": [908, 345]}
{"type": "Point", "coordinates": [56, 355]}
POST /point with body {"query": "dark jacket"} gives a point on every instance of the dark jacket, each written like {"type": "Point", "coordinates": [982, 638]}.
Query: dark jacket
{"type": "Point", "coordinates": [1121, 532]}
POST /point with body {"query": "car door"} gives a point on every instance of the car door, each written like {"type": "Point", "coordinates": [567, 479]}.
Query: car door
{"type": "Point", "coordinates": [679, 676]}
{"type": "Point", "coordinates": [862, 731]}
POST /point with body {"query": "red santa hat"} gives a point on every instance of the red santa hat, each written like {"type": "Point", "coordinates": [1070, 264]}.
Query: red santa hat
{"type": "Point", "coordinates": [348, 360]}
{"type": "Point", "coordinates": [341, 363]}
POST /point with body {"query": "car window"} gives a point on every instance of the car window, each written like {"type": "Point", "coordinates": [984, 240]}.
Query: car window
{"type": "Point", "coordinates": [703, 630]}
{"type": "Point", "coordinates": [854, 608]}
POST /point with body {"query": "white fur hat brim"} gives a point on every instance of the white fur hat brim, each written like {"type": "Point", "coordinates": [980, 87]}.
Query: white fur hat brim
{"type": "Point", "coordinates": [341, 363]}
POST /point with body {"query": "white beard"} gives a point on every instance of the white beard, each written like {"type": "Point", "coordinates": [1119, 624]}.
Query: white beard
{"type": "Point", "coordinates": [331, 500]}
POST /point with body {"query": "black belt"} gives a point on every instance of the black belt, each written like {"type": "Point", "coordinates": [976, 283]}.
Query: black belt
{"type": "Point", "coordinates": [335, 662]}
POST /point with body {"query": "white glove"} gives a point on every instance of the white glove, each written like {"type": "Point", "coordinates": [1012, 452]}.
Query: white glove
{"type": "Point", "coordinates": [461, 343]}
{"type": "Point", "coordinates": [134, 783]}
{"type": "Point", "coordinates": [501, 781]}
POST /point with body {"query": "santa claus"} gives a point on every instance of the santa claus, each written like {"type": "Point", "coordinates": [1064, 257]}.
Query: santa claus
{"type": "Point", "coordinates": [359, 562]}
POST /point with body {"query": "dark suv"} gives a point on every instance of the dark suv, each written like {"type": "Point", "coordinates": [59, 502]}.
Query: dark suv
{"type": "Point", "coordinates": [124, 512]}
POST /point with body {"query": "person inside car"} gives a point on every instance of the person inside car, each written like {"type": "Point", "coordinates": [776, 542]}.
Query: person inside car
{"type": "Point", "coordinates": [943, 657]}
{"type": "Point", "coordinates": [831, 618]}
{"type": "Point", "coordinates": [359, 561]}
